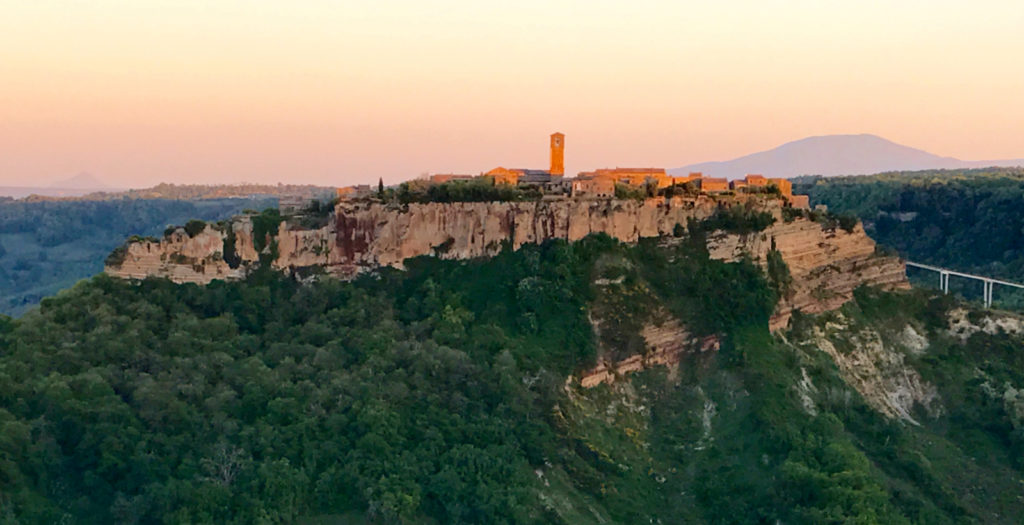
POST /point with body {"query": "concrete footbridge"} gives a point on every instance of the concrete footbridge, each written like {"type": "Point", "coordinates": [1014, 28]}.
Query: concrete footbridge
{"type": "Point", "coordinates": [988, 283]}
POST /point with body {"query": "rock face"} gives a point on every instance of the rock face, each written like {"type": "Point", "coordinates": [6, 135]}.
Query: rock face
{"type": "Point", "coordinates": [178, 257]}
{"type": "Point", "coordinates": [876, 367]}
{"type": "Point", "coordinates": [365, 235]}
{"type": "Point", "coordinates": [369, 235]}
{"type": "Point", "coordinates": [666, 343]}
{"type": "Point", "coordinates": [826, 265]}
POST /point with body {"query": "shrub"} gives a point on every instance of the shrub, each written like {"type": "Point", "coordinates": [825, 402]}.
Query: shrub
{"type": "Point", "coordinates": [627, 191]}
{"type": "Point", "coordinates": [478, 189]}
{"type": "Point", "coordinates": [230, 254]}
{"type": "Point", "coordinates": [847, 222]}
{"type": "Point", "coordinates": [117, 256]}
{"type": "Point", "coordinates": [194, 227]}
{"type": "Point", "coordinates": [687, 189]}
{"type": "Point", "coordinates": [791, 214]}
{"type": "Point", "coordinates": [738, 219]}
{"type": "Point", "coordinates": [264, 227]}
{"type": "Point", "coordinates": [778, 273]}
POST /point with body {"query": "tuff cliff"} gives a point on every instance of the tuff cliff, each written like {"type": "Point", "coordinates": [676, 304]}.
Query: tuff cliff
{"type": "Point", "coordinates": [825, 264]}
{"type": "Point", "coordinates": [362, 235]}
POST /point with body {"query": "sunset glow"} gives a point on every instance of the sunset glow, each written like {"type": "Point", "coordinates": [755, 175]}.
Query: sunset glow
{"type": "Point", "coordinates": [328, 92]}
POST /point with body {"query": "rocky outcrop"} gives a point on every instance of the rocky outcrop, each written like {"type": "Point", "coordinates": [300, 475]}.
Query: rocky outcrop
{"type": "Point", "coordinates": [962, 327]}
{"type": "Point", "coordinates": [363, 235]}
{"type": "Point", "coordinates": [666, 343]}
{"type": "Point", "coordinates": [825, 264]}
{"type": "Point", "coordinates": [877, 367]}
{"type": "Point", "coordinates": [178, 256]}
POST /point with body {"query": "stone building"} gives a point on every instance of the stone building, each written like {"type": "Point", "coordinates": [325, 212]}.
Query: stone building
{"type": "Point", "coordinates": [802, 202]}
{"type": "Point", "coordinates": [532, 177]}
{"type": "Point", "coordinates": [557, 155]}
{"type": "Point", "coordinates": [631, 176]}
{"type": "Point", "coordinates": [351, 192]}
{"type": "Point", "coordinates": [712, 184]}
{"type": "Point", "coordinates": [754, 179]}
{"type": "Point", "coordinates": [785, 187]}
{"type": "Point", "coordinates": [502, 175]}
{"type": "Point", "coordinates": [441, 178]}
{"type": "Point", "coordinates": [601, 187]}
{"type": "Point", "coordinates": [640, 176]}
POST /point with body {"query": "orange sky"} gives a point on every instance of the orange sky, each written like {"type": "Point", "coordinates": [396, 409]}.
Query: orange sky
{"type": "Point", "coordinates": [339, 92]}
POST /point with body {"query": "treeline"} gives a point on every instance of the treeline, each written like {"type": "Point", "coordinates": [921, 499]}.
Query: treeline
{"type": "Point", "coordinates": [969, 220]}
{"type": "Point", "coordinates": [47, 246]}
{"type": "Point", "coordinates": [477, 189]}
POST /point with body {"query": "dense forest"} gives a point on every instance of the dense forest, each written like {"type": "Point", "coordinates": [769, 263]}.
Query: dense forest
{"type": "Point", "coordinates": [439, 394]}
{"type": "Point", "coordinates": [967, 220]}
{"type": "Point", "coordinates": [48, 246]}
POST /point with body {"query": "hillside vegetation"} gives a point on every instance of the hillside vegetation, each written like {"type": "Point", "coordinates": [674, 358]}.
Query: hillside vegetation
{"type": "Point", "coordinates": [968, 220]}
{"type": "Point", "coordinates": [48, 246]}
{"type": "Point", "coordinates": [439, 395]}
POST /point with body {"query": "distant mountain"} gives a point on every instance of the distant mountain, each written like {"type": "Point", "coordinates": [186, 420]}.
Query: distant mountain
{"type": "Point", "coordinates": [82, 181]}
{"type": "Point", "coordinates": [20, 192]}
{"type": "Point", "coordinates": [836, 155]}
{"type": "Point", "coordinates": [76, 186]}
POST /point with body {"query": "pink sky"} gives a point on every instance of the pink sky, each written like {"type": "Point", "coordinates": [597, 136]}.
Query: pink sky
{"type": "Point", "coordinates": [339, 92]}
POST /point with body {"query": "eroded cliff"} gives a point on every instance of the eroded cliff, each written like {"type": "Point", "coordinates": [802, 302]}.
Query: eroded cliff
{"type": "Point", "coordinates": [825, 264]}
{"type": "Point", "coordinates": [362, 235]}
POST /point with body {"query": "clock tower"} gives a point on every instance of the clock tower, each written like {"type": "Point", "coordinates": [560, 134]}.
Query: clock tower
{"type": "Point", "coordinates": [557, 155]}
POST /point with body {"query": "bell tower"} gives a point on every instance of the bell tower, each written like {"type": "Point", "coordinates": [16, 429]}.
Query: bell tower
{"type": "Point", "coordinates": [557, 155]}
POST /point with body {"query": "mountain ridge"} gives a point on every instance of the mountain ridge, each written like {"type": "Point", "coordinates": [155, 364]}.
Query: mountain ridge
{"type": "Point", "coordinates": [831, 155]}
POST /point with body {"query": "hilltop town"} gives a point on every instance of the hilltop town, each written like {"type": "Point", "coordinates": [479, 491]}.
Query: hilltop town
{"type": "Point", "coordinates": [458, 216]}
{"type": "Point", "coordinates": [604, 182]}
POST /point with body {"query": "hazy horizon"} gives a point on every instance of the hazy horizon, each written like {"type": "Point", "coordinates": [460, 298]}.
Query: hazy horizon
{"type": "Point", "coordinates": [330, 93]}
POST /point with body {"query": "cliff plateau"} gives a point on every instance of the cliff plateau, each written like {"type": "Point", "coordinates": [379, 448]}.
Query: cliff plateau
{"type": "Point", "coordinates": [825, 263]}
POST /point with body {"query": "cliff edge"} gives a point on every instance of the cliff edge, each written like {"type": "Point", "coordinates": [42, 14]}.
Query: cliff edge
{"type": "Point", "coordinates": [826, 263]}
